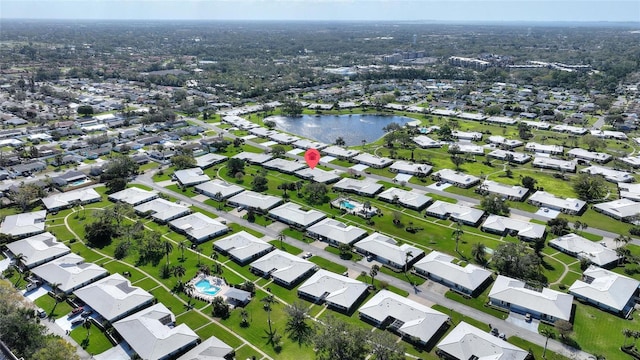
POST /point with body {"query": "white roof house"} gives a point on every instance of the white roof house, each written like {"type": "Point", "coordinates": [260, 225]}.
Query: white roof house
{"type": "Point", "coordinates": [609, 134]}
{"type": "Point", "coordinates": [537, 124]}
{"type": "Point", "coordinates": [546, 162]}
{"type": "Point", "coordinates": [589, 155]}
{"type": "Point", "coordinates": [424, 141]}
{"type": "Point", "coordinates": [388, 251]}
{"type": "Point", "coordinates": [502, 141]}
{"type": "Point", "coordinates": [318, 175]}
{"type": "Point", "coordinates": [283, 165]}
{"type": "Point", "coordinates": [440, 267]}
{"type": "Point", "coordinates": [340, 152]}
{"type": "Point", "coordinates": [570, 129]}
{"type": "Point", "coordinates": [472, 116]}
{"type": "Point", "coordinates": [576, 245]}
{"type": "Point", "coordinates": [615, 176]}
{"type": "Point", "coordinates": [293, 214]}
{"type": "Point", "coordinates": [133, 196]}
{"type": "Point", "coordinates": [411, 199]}
{"type": "Point", "coordinates": [621, 209]}
{"type": "Point", "coordinates": [243, 247]}
{"type": "Point", "coordinates": [162, 210]}
{"type": "Point", "coordinates": [70, 271]}
{"type": "Point", "coordinates": [25, 224]}
{"type": "Point", "coordinates": [506, 225]}
{"type": "Point", "coordinates": [410, 168]}
{"type": "Point", "coordinates": [408, 317]}
{"type": "Point", "coordinates": [254, 200]}
{"type": "Point", "coordinates": [456, 178]}
{"type": "Point", "coordinates": [282, 138]}
{"type": "Point", "coordinates": [152, 333]}
{"type": "Point", "coordinates": [210, 349]}
{"type": "Point", "coordinates": [373, 161]}
{"type": "Point", "coordinates": [198, 227]}
{"type": "Point", "coordinates": [284, 268]}
{"type": "Point", "coordinates": [568, 205]}
{"type": "Point", "coordinates": [70, 198]}
{"type": "Point", "coordinates": [634, 161]}
{"type": "Point", "coordinates": [38, 249]}
{"type": "Point", "coordinates": [209, 159]}
{"type": "Point", "coordinates": [189, 177]}
{"type": "Point", "coordinates": [467, 148]}
{"type": "Point", "coordinates": [340, 292]}
{"type": "Point", "coordinates": [546, 149]}
{"type": "Point", "coordinates": [516, 157]}
{"type": "Point", "coordinates": [465, 214]}
{"type": "Point", "coordinates": [365, 187]}
{"type": "Point", "coordinates": [254, 158]}
{"type": "Point", "coordinates": [335, 232]}
{"type": "Point", "coordinates": [501, 120]}
{"type": "Point", "coordinates": [606, 289]}
{"type": "Point", "coordinates": [309, 144]}
{"type": "Point", "coordinates": [511, 192]}
{"type": "Point", "coordinates": [629, 191]}
{"type": "Point", "coordinates": [466, 342]}
{"type": "Point", "coordinates": [547, 305]}
{"type": "Point", "coordinates": [113, 297]}
{"type": "Point", "coordinates": [467, 135]}
{"type": "Point", "coordinates": [215, 186]}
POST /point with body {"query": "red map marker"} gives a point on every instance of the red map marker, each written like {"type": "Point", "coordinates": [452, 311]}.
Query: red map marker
{"type": "Point", "coordinates": [312, 157]}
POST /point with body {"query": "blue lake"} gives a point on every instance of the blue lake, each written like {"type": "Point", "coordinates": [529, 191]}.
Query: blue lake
{"type": "Point", "coordinates": [327, 128]}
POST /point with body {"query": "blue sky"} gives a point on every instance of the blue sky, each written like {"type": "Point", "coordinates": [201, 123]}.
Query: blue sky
{"type": "Point", "coordinates": [439, 10]}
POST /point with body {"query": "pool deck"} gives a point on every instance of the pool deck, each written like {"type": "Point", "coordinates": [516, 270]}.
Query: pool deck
{"type": "Point", "coordinates": [214, 281]}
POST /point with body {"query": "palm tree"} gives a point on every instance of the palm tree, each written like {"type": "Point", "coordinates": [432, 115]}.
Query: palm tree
{"type": "Point", "coordinates": [179, 271]}
{"type": "Point", "coordinates": [297, 327]}
{"type": "Point", "coordinates": [478, 251]}
{"type": "Point", "coordinates": [87, 325]}
{"type": "Point", "coordinates": [627, 334]}
{"type": "Point", "coordinates": [189, 288]}
{"type": "Point", "coordinates": [244, 315]}
{"type": "Point", "coordinates": [374, 272]}
{"type": "Point", "coordinates": [457, 232]}
{"type": "Point", "coordinates": [167, 246]}
{"type": "Point", "coordinates": [547, 333]}
{"type": "Point", "coordinates": [268, 301]}
{"type": "Point", "coordinates": [622, 239]}
{"type": "Point", "coordinates": [281, 237]}
{"type": "Point", "coordinates": [19, 258]}
{"type": "Point", "coordinates": [182, 246]}
{"type": "Point", "coordinates": [214, 257]}
{"type": "Point", "coordinates": [408, 255]}
{"type": "Point", "coordinates": [55, 289]}
{"type": "Point", "coordinates": [198, 251]}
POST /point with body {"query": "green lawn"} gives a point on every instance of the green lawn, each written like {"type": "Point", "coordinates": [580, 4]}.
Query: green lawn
{"type": "Point", "coordinates": [477, 303]}
{"type": "Point", "coordinates": [286, 247]}
{"type": "Point", "coordinates": [328, 265]}
{"type": "Point", "coordinates": [47, 303]}
{"type": "Point", "coordinates": [95, 343]}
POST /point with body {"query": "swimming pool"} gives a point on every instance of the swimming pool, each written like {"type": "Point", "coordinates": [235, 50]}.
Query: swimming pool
{"type": "Point", "coordinates": [204, 287]}
{"type": "Point", "coordinates": [347, 205]}
{"type": "Point", "coordinates": [79, 182]}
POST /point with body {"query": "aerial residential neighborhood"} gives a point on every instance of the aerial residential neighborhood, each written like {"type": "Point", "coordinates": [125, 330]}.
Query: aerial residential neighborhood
{"type": "Point", "coordinates": [468, 201]}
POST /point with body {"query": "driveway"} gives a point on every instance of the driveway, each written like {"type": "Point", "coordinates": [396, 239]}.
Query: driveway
{"type": "Point", "coordinates": [518, 320]}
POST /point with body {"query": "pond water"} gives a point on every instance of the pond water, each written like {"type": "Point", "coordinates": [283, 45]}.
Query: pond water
{"type": "Point", "coordinates": [327, 128]}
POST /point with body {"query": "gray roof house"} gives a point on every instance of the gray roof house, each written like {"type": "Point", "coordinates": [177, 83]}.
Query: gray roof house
{"type": "Point", "coordinates": [254, 200]}
{"type": "Point", "coordinates": [198, 227]}
{"type": "Point", "coordinates": [462, 213]}
{"type": "Point", "coordinates": [607, 290]}
{"type": "Point", "coordinates": [114, 298]}
{"type": "Point", "coordinates": [365, 187]}
{"type": "Point", "coordinates": [546, 305]}
{"type": "Point", "coordinates": [283, 165]}
{"type": "Point", "coordinates": [210, 349]}
{"type": "Point", "coordinates": [162, 210]}
{"type": "Point", "coordinates": [373, 161]}
{"type": "Point", "coordinates": [318, 175]}
{"type": "Point", "coordinates": [568, 206]}
{"type": "Point", "coordinates": [440, 267]}
{"type": "Point", "coordinates": [71, 198]}
{"type": "Point", "coordinates": [335, 232]}
{"type": "Point", "coordinates": [284, 268]}
{"type": "Point", "coordinates": [505, 225]}
{"type": "Point", "coordinates": [577, 246]}
{"type": "Point", "coordinates": [621, 209]}
{"type": "Point", "coordinates": [409, 199]}
{"type": "Point", "coordinates": [294, 215]}
{"type": "Point", "coordinates": [218, 188]}
{"type": "Point", "coordinates": [466, 342]}
{"type": "Point", "coordinates": [208, 160]}
{"type": "Point", "coordinates": [337, 291]}
{"type": "Point", "coordinates": [243, 247]}
{"type": "Point", "coordinates": [152, 333]}
{"type": "Point", "coordinates": [38, 249]}
{"type": "Point", "coordinates": [387, 251]}
{"type": "Point", "coordinates": [189, 177]}
{"type": "Point", "coordinates": [253, 158]}
{"type": "Point", "coordinates": [133, 196]}
{"type": "Point", "coordinates": [405, 167]}
{"type": "Point", "coordinates": [24, 225]}
{"type": "Point", "coordinates": [456, 178]}
{"type": "Point", "coordinates": [70, 271]}
{"type": "Point", "coordinates": [409, 318]}
{"type": "Point", "coordinates": [511, 192]}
